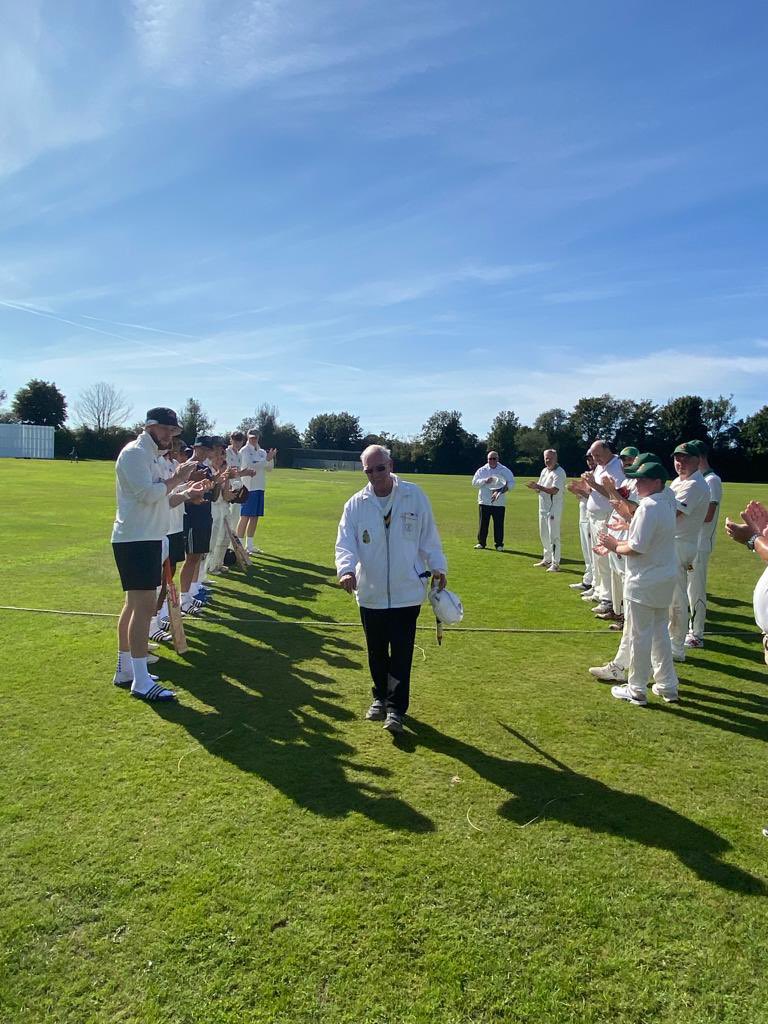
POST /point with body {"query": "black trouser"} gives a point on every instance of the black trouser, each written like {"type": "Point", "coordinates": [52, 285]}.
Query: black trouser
{"type": "Point", "coordinates": [389, 635]}
{"type": "Point", "coordinates": [496, 513]}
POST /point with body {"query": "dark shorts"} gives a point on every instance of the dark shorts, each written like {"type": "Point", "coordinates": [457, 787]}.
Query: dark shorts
{"type": "Point", "coordinates": [139, 563]}
{"type": "Point", "coordinates": [176, 549]}
{"type": "Point", "coordinates": [197, 537]}
{"type": "Point", "coordinates": [254, 506]}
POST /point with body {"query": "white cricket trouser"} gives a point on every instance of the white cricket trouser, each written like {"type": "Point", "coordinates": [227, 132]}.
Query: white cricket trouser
{"type": "Point", "coordinates": [617, 567]}
{"type": "Point", "coordinates": [601, 570]}
{"type": "Point", "coordinates": [678, 610]}
{"type": "Point", "coordinates": [219, 536]}
{"type": "Point", "coordinates": [650, 650]}
{"type": "Point", "coordinates": [586, 544]}
{"type": "Point", "coordinates": [697, 592]}
{"type": "Point", "coordinates": [549, 531]}
{"type": "Point", "coordinates": [233, 515]}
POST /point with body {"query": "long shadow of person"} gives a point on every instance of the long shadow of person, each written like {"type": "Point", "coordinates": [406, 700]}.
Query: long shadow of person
{"type": "Point", "coordinates": [556, 792]}
{"type": "Point", "coordinates": [273, 713]}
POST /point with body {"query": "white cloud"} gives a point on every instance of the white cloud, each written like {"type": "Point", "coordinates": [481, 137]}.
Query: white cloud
{"type": "Point", "coordinates": [392, 292]}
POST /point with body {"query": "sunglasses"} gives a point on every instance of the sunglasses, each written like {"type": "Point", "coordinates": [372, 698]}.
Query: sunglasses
{"type": "Point", "coordinates": [375, 469]}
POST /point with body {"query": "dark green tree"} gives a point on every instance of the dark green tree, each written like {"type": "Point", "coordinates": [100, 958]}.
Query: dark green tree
{"type": "Point", "coordinates": [680, 420]}
{"type": "Point", "coordinates": [40, 402]}
{"type": "Point", "coordinates": [447, 446]}
{"type": "Point", "coordinates": [502, 436]}
{"type": "Point", "coordinates": [334, 430]}
{"type": "Point", "coordinates": [754, 432]}
{"type": "Point", "coordinates": [194, 420]}
{"type": "Point", "coordinates": [719, 417]}
{"type": "Point", "coordinates": [594, 418]}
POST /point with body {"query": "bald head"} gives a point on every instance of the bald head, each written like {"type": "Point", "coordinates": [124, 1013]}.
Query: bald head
{"type": "Point", "coordinates": [601, 452]}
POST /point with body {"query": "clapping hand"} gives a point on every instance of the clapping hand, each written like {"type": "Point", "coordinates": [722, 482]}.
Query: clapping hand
{"type": "Point", "coordinates": [740, 532]}
{"type": "Point", "coordinates": [271, 453]}
{"type": "Point", "coordinates": [755, 515]}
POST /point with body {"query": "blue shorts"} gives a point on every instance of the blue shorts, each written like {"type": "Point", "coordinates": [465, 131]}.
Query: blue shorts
{"type": "Point", "coordinates": [254, 505]}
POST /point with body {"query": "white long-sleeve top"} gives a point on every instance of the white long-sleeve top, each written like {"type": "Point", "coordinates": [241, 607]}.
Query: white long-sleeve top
{"type": "Point", "coordinates": [389, 562]}
{"type": "Point", "coordinates": [255, 458]}
{"type": "Point", "coordinates": [485, 492]}
{"type": "Point", "coordinates": [143, 512]}
{"type": "Point", "coordinates": [232, 455]}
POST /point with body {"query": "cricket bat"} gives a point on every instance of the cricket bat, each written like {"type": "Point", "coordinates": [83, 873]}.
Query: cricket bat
{"type": "Point", "coordinates": [174, 612]}
{"type": "Point", "coordinates": [241, 555]}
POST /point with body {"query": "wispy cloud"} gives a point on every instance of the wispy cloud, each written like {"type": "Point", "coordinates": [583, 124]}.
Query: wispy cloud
{"type": "Point", "coordinates": [392, 292]}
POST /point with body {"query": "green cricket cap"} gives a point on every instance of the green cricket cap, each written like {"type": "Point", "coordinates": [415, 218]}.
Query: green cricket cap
{"type": "Point", "coordinates": [630, 452]}
{"type": "Point", "coordinates": [688, 448]}
{"type": "Point", "coordinates": [644, 457]}
{"type": "Point", "coordinates": [648, 471]}
{"type": "Point", "coordinates": [699, 447]}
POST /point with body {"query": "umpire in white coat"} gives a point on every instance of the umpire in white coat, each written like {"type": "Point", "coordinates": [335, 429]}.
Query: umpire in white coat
{"type": "Point", "coordinates": [387, 547]}
{"type": "Point", "coordinates": [493, 481]}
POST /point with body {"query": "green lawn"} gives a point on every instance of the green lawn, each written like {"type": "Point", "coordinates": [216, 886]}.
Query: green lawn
{"type": "Point", "coordinates": [532, 850]}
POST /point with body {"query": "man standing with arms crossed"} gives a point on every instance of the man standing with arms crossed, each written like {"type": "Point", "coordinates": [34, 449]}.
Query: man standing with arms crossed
{"type": "Point", "coordinates": [386, 547]}
{"type": "Point", "coordinates": [551, 490]}
{"type": "Point", "coordinates": [141, 525]}
{"type": "Point", "coordinates": [697, 579]}
{"type": "Point", "coordinates": [493, 481]}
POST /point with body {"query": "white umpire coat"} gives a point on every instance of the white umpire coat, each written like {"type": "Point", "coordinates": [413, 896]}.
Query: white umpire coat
{"type": "Point", "coordinates": [389, 563]}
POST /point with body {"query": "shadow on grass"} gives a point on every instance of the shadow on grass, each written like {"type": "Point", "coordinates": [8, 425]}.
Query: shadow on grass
{"type": "Point", "coordinates": [272, 712]}
{"type": "Point", "coordinates": [727, 602]}
{"type": "Point", "coordinates": [555, 792]}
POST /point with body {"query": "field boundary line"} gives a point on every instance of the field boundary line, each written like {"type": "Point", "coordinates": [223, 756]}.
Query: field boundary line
{"type": "Point", "coordinates": [329, 623]}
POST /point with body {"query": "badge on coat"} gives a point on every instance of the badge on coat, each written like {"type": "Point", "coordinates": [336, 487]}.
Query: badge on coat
{"type": "Point", "coordinates": [366, 537]}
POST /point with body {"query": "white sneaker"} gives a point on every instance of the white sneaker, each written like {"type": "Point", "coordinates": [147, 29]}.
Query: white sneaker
{"type": "Point", "coordinates": [499, 547]}
{"type": "Point", "coordinates": [610, 673]}
{"type": "Point", "coordinates": [588, 595]}
{"type": "Point", "coordinates": [678, 655]}
{"type": "Point", "coordinates": [693, 641]}
{"type": "Point", "coordinates": [578, 586]}
{"type": "Point", "coordinates": [667, 697]}
{"type": "Point", "coordinates": [542, 564]}
{"type": "Point", "coordinates": [479, 547]}
{"type": "Point", "coordinates": [622, 693]}
{"type": "Point", "coordinates": [553, 568]}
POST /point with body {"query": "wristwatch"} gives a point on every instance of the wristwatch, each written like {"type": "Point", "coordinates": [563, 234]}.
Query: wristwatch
{"type": "Point", "coordinates": [751, 541]}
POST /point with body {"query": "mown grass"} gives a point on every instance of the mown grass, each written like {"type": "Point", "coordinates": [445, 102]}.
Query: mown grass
{"type": "Point", "coordinates": [530, 851]}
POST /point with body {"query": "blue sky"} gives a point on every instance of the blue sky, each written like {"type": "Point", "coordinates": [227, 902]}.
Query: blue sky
{"type": "Point", "coordinates": [389, 208]}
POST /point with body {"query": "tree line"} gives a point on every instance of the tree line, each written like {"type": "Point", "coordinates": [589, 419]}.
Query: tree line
{"type": "Point", "coordinates": [443, 445]}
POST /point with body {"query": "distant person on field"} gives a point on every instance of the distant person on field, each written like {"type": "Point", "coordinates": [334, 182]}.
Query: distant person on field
{"type": "Point", "coordinates": [387, 546]}
{"type": "Point", "coordinates": [551, 490]}
{"type": "Point", "coordinates": [581, 491]}
{"type": "Point", "coordinates": [494, 481]}
{"type": "Point", "coordinates": [141, 526]}
{"type": "Point", "coordinates": [254, 463]}
{"type": "Point", "coordinates": [697, 578]}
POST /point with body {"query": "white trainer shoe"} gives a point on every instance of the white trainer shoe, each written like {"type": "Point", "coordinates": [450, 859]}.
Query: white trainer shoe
{"type": "Point", "coordinates": [377, 712]}
{"type": "Point", "coordinates": [610, 673]}
{"type": "Point", "coordinates": [542, 564]}
{"type": "Point", "coordinates": [622, 693]}
{"type": "Point", "coordinates": [669, 698]}
{"type": "Point", "coordinates": [394, 722]}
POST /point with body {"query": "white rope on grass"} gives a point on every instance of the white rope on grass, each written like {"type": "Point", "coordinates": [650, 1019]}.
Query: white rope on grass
{"type": "Point", "coordinates": [331, 624]}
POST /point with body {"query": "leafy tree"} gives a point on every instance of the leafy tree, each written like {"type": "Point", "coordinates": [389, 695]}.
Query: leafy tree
{"type": "Point", "coordinates": [194, 420]}
{"type": "Point", "coordinates": [102, 406]}
{"type": "Point", "coordinates": [594, 418]}
{"type": "Point", "coordinates": [637, 423]}
{"type": "Point", "coordinates": [555, 424]}
{"type": "Point", "coordinates": [335, 430]}
{"type": "Point", "coordinates": [680, 420]}
{"type": "Point", "coordinates": [502, 436]}
{"type": "Point", "coordinates": [40, 402]}
{"type": "Point", "coordinates": [531, 443]}
{"type": "Point", "coordinates": [719, 417]}
{"type": "Point", "coordinates": [754, 432]}
{"type": "Point", "coordinates": [447, 446]}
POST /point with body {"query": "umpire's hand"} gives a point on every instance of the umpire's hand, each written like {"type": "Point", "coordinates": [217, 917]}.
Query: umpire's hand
{"type": "Point", "coordinates": [348, 582]}
{"type": "Point", "coordinates": [440, 579]}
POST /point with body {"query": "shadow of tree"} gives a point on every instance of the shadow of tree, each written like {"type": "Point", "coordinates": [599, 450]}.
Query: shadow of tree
{"type": "Point", "coordinates": [554, 791]}
{"type": "Point", "coordinates": [272, 713]}
{"type": "Point", "coordinates": [727, 602]}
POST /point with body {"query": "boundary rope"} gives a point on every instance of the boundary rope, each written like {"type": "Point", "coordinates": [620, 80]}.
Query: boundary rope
{"type": "Point", "coordinates": [330, 624]}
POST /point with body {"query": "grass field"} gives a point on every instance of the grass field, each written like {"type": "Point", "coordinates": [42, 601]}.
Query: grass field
{"type": "Point", "coordinates": [532, 850]}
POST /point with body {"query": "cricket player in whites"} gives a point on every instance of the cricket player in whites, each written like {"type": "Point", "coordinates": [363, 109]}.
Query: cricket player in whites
{"type": "Point", "coordinates": [697, 578]}
{"type": "Point", "coordinates": [551, 490]}
{"type": "Point", "coordinates": [651, 575]}
{"type": "Point", "coordinates": [692, 494]}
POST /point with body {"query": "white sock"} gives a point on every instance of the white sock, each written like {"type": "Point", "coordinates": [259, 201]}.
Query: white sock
{"type": "Point", "coordinates": [124, 666]}
{"type": "Point", "coordinates": [141, 677]}
{"type": "Point", "coordinates": [193, 588]}
{"type": "Point", "coordinates": [185, 600]}
{"type": "Point", "coordinates": [163, 613]}
{"type": "Point", "coordinates": [249, 544]}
